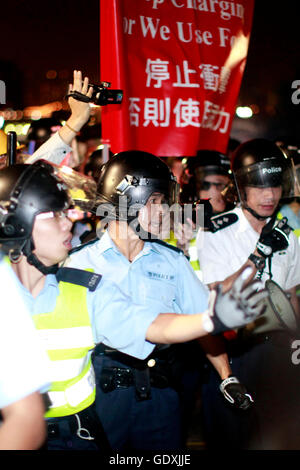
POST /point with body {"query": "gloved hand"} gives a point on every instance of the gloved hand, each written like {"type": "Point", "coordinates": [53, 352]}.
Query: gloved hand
{"type": "Point", "coordinates": [273, 237]}
{"type": "Point", "coordinates": [237, 307]}
{"type": "Point", "coordinates": [236, 393]}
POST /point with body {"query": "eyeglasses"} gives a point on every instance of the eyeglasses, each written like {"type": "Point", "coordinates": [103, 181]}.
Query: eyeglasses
{"type": "Point", "coordinates": [206, 185]}
{"type": "Point", "coordinates": [53, 215]}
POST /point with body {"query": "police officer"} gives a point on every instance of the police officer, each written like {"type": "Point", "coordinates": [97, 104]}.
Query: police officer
{"type": "Point", "coordinates": [69, 307]}
{"type": "Point", "coordinates": [250, 234]}
{"type": "Point", "coordinates": [137, 401]}
{"type": "Point", "coordinates": [209, 174]}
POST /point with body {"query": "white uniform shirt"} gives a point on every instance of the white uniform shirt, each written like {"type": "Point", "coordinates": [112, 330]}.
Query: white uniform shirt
{"type": "Point", "coordinates": [24, 364]}
{"type": "Point", "coordinates": [222, 253]}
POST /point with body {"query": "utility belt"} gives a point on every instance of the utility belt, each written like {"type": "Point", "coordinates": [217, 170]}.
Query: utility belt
{"type": "Point", "coordinates": [154, 371]}
{"type": "Point", "coordinates": [85, 425]}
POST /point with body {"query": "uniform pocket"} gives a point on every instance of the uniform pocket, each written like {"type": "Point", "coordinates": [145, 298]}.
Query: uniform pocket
{"type": "Point", "coordinates": [159, 290]}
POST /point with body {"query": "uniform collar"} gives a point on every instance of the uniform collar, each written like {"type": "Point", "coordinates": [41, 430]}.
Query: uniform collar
{"type": "Point", "coordinates": [106, 243]}
{"type": "Point", "coordinates": [244, 222]}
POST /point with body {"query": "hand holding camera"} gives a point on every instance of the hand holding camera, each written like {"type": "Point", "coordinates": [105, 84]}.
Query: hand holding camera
{"type": "Point", "coordinates": [100, 95]}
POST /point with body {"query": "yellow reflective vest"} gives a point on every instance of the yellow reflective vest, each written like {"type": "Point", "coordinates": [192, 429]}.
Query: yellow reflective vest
{"type": "Point", "coordinates": [67, 335]}
{"type": "Point", "coordinates": [296, 231]}
{"type": "Point", "coordinates": [192, 253]}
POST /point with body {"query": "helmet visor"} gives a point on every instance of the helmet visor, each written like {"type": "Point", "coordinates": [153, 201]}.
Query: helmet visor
{"type": "Point", "coordinates": [82, 188]}
{"type": "Point", "coordinates": [268, 174]}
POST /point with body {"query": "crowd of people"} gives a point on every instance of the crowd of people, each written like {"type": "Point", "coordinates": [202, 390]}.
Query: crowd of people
{"type": "Point", "coordinates": [122, 322]}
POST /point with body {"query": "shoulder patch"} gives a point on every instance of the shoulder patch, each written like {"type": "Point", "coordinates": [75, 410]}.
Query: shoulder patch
{"type": "Point", "coordinates": [80, 247]}
{"type": "Point", "coordinates": [168, 245]}
{"type": "Point", "coordinates": [79, 277]}
{"type": "Point", "coordinates": [223, 220]}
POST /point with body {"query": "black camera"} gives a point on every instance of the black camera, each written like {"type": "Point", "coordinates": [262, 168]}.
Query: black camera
{"type": "Point", "coordinates": [102, 95]}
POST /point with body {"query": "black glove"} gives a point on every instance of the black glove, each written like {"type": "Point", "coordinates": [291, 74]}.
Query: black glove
{"type": "Point", "coordinates": [236, 393]}
{"type": "Point", "coordinates": [273, 237]}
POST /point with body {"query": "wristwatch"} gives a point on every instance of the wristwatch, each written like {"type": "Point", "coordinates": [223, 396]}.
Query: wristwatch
{"type": "Point", "coordinates": [258, 262]}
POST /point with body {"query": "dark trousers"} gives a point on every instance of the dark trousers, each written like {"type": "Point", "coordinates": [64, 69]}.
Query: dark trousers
{"type": "Point", "coordinates": [265, 367]}
{"type": "Point", "coordinates": [132, 424]}
{"type": "Point", "coordinates": [82, 431]}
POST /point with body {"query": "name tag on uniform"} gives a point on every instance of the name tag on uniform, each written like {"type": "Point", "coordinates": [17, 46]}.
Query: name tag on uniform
{"type": "Point", "coordinates": [166, 277]}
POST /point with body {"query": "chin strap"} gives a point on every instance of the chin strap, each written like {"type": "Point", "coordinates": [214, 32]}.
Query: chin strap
{"type": "Point", "coordinates": [255, 214]}
{"type": "Point", "coordinates": [34, 261]}
{"type": "Point", "coordinates": [142, 234]}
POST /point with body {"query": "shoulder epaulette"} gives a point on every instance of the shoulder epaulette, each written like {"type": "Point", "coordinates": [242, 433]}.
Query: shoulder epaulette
{"type": "Point", "coordinates": [79, 277]}
{"type": "Point", "coordinates": [168, 245]}
{"type": "Point", "coordinates": [223, 220]}
{"type": "Point", "coordinates": [83, 245]}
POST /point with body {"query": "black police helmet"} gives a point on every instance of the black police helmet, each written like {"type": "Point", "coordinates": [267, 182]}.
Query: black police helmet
{"type": "Point", "coordinates": [136, 175]}
{"type": "Point", "coordinates": [261, 163]}
{"type": "Point", "coordinates": [25, 192]}
{"type": "Point", "coordinates": [210, 162]}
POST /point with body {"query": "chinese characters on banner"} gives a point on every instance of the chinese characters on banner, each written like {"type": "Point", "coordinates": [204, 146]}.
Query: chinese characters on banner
{"type": "Point", "coordinates": [180, 64]}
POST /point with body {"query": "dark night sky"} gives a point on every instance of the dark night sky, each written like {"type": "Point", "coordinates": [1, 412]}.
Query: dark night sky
{"type": "Point", "coordinates": [62, 35]}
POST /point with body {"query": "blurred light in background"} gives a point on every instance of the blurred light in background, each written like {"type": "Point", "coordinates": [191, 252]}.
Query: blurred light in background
{"type": "Point", "coordinates": [244, 112]}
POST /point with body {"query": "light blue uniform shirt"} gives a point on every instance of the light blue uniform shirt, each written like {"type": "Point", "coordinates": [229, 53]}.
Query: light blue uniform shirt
{"type": "Point", "coordinates": [126, 333]}
{"type": "Point", "coordinates": [159, 277]}
{"type": "Point", "coordinates": [293, 219]}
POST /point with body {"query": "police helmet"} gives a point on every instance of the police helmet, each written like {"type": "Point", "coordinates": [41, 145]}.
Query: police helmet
{"type": "Point", "coordinates": [209, 162]}
{"type": "Point", "coordinates": [129, 178]}
{"type": "Point", "coordinates": [291, 147]}
{"type": "Point", "coordinates": [261, 163]}
{"type": "Point", "coordinates": [25, 192]}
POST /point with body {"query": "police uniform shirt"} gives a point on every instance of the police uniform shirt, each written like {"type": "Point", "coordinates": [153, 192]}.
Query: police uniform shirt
{"type": "Point", "coordinates": [223, 252]}
{"type": "Point", "coordinates": [24, 362]}
{"type": "Point", "coordinates": [159, 275]}
{"type": "Point", "coordinates": [126, 333]}
{"type": "Point", "coordinates": [293, 219]}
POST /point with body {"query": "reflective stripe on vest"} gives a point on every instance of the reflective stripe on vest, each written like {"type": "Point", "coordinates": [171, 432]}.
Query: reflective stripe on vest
{"type": "Point", "coordinates": [193, 254]}
{"type": "Point", "coordinates": [67, 335]}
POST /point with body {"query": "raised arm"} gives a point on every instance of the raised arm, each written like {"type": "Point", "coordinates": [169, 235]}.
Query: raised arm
{"type": "Point", "coordinates": [56, 148]}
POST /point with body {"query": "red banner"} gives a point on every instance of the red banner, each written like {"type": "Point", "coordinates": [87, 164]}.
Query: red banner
{"type": "Point", "coordinates": [180, 64]}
